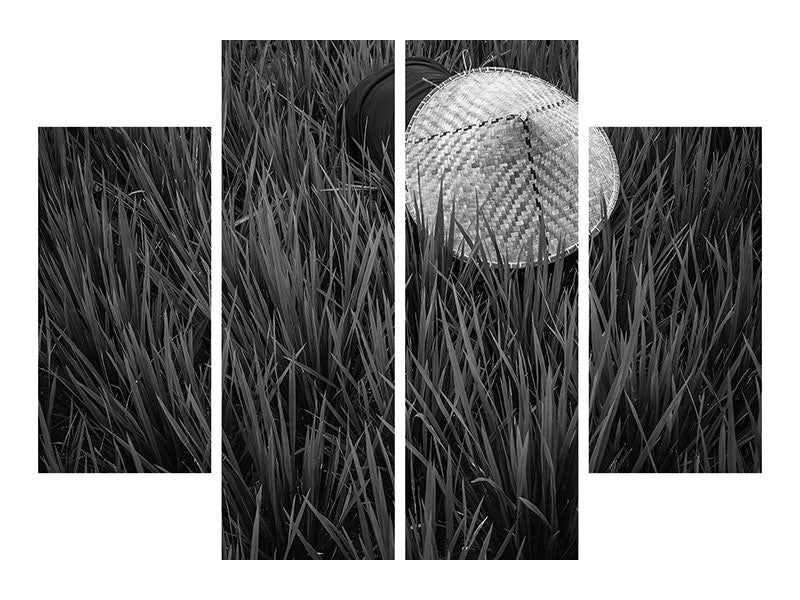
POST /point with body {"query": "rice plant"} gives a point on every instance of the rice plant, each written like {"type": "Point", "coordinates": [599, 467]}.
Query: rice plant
{"type": "Point", "coordinates": [491, 388]}
{"type": "Point", "coordinates": [555, 61]}
{"type": "Point", "coordinates": [308, 278]}
{"type": "Point", "coordinates": [124, 247]}
{"type": "Point", "coordinates": [675, 325]}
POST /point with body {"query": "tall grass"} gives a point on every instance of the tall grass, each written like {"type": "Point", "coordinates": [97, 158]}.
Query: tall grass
{"type": "Point", "coordinates": [555, 61]}
{"type": "Point", "coordinates": [675, 327]}
{"type": "Point", "coordinates": [124, 246]}
{"type": "Point", "coordinates": [308, 310]}
{"type": "Point", "coordinates": [491, 358]}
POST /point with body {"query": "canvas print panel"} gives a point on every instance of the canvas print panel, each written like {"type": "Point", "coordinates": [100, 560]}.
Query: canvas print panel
{"type": "Point", "coordinates": [308, 280]}
{"type": "Point", "coordinates": [675, 321]}
{"type": "Point", "coordinates": [124, 320]}
{"type": "Point", "coordinates": [491, 325]}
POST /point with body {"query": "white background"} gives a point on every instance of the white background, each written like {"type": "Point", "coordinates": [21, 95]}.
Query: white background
{"type": "Point", "coordinates": [158, 63]}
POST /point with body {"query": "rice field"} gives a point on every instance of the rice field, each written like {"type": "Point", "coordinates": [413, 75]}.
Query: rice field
{"type": "Point", "coordinates": [308, 310]}
{"type": "Point", "coordinates": [124, 326]}
{"type": "Point", "coordinates": [675, 322]}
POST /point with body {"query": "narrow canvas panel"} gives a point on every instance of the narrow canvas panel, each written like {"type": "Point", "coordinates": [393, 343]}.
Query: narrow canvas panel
{"type": "Point", "coordinates": [308, 292]}
{"type": "Point", "coordinates": [124, 320]}
{"type": "Point", "coordinates": [491, 300]}
{"type": "Point", "coordinates": [675, 320]}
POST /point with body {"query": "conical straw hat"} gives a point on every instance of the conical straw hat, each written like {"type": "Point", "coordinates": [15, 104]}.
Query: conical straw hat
{"type": "Point", "coordinates": [500, 149]}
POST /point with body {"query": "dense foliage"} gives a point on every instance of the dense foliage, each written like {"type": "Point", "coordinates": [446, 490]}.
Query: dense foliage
{"type": "Point", "coordinates": [124, 254]}
{"type": "Point", "coordinates": [675, 325]}
{"type": "Point", "coordinates": [308, 279]}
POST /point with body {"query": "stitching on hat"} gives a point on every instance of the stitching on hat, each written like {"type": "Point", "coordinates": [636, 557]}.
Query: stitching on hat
{"type": "Point", "coordinates": [538, 110]}
{"type": "Point", "coordinates": [448, 81]}
{"type": "Point", "coordinates": [535, 111]}
{"type": "Point", "coordinates": [538, 195]}
{"type": "Point", "coordinates": [430, 138]}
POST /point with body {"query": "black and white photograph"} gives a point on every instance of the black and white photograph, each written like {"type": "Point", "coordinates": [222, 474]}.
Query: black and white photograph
{"type": "Point", "coordinates": [308, 300]}
{"type": "Point", "coordinates": [124, 319]}
{"type": "Point", "coordinates": [378, 286]}
{"type": "Point", "coordinates": [675, 319]}
{"type": "Point", "coordinates": [491, 299]}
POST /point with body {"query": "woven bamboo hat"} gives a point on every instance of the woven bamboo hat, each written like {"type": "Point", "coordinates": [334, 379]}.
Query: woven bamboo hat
{"type": "Point", "coordinates": [499, 148]}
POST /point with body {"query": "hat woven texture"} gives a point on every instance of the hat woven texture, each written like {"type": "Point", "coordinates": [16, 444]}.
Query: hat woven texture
{"type": "Point", "coordinates": [500, 147]}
